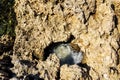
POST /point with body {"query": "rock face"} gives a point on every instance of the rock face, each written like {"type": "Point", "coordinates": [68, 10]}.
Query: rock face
{"type": "Point", "coordinates": [37, 69]}
{"type": "Point", "coordinates": [93, 23]}
{"type": "Point", "coordinates": [74, 72]}
{"type": "Point", "coordinates": [43, 22]}
{"type": "Point", "coordinates": [48, 69]}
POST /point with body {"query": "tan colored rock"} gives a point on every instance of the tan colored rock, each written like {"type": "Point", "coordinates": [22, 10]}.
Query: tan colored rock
{"type": "Point", "coordinates": [74, 72]}
{"type": "Point", "coordinates": [40, 23]}
{"type": "Point", "coordinates": [91, 22]}
{"type": "Point", "coordinates": [100, 43]}
{"type": "Point", "coordinates": [6, 44]}
{"type": "Point", "coordinates": [49, 68]}
{"type": "Point", "coordinates": [70, 72]}
{"type": "Point", "coordinates": [23, 67]}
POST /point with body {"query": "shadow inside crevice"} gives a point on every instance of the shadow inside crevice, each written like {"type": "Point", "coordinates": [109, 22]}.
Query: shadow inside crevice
{"type": "Point", "coordinates": [115, 18]}
{"type": "Point", "coordinates": [85, 73]}
{"type": "Point", "coordinates": [49, 49]}
{"type": "Point", "coordinates": [5, 65]}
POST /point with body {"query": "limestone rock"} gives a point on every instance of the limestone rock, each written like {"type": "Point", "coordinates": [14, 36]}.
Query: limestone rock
{"type": "Point", "coordinates": [6, 43]}
{"type": "Point", "coordinates": [73, 72]}
{"type": "Point", "coordinates": [91, 22]}
{"type": "Point", "coordinates": [40, 23]}
{"type": "Point", "coordinates": [48, 69]}
{"type": "Point", "coordinates": [22, 68]}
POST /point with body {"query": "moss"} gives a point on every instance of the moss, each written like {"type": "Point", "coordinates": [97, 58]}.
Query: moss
{"type": "Point", "coordinates": [7, 18]}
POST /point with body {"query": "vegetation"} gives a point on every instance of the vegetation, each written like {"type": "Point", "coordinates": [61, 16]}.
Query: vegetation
{"type": "Point", "coordinates": [7, 18]}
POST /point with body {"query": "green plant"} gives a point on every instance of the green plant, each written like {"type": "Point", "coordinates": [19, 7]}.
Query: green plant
{"type": "Point", "coordinates": [7, 17]}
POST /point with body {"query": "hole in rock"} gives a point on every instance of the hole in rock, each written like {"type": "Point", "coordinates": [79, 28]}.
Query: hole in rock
{"type": "Point", "coordinates": [49, 49]}
{"type": "Point", "coordinates": [67, 53]}
{"type": "Point", "coordinates": [5, 65]}
{"type": "Point", "coordinates": [85, 73]}
{"type": "Point", "coordinates": [27, 62]}
{"type": "Point", "coordinates": [33, 77]}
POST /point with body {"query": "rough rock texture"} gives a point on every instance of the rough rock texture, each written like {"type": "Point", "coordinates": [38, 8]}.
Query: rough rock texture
{"type": "Point", "coordinates": [93, 23]}
{"type": "Point", "coordinates": [48, 69]}
{"type": "Point", "coordinates": [42, 22]}
{"type": "Point", "coordinates": [100, 43]}
{"type": "Point", "coordinates": [6, 44]}
{"type": "Point", "coordinates": [5, 65]}
{"type": "Point", "coordinates": [116, 6]}
{"type": "Point", "coordinates": [37, 69]}
{"type": "Point", "coordinates": [74, 72]}
{"type": "Point", "coordinates": [23, 67]}
{"type": "Point", "coordinates": [6, 49]}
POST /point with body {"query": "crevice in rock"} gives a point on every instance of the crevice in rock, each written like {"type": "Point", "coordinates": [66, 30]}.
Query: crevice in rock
{"type": "Point", "coordinates": [5, 65]}
{"type": "Point", "coordinates": [33, 77]}
{"type": "Point", "coordinates": [115, 19]}
{"type": "Point", "coordinates": [113, 70]}
{"type": "Point", "coordinates": [34, 57]}
{"type": "Point", "coordinates": [6, 47]}
{"type": "Point", "coordinates": [49, 49]}
{"type": "Point", "coordinates": [27, 62]}
{"type": "Point", "coordinates": [113, 7]}
{"type": "Point", "coordinates": [85, 74]}
{"type": "Point", "coordinates": [58, 75]}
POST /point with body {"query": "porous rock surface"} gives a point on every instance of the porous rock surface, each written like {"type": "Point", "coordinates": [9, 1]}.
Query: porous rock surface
{"type": "Point", "coordinates": [42, 22]}
{"type": "Point", "coordinates": [38, 69]}
{"type": "Point", "coordinates": [74, 72]}
{"type": "Point", "coordinates": [93, 23]}
{"type": "Point", "coordinates": [49, 69]}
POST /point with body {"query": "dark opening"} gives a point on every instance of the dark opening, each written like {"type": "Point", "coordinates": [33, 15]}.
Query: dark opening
{"type": "Point", "coordinates": [49, 49]}
{"type": "Point", "coordinates": [85, 74]}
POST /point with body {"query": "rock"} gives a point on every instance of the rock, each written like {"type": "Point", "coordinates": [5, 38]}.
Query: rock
{"type": "Point", "coordinates": [5, 65]}
{"type": "Point", "coordinates": [73, 72]}
{"type": "Point", "coordinates": [23, 68]}
{"type": "Point", "coordinates": [48, 69]}
{"type": "Point", "coordinates": [6, 43]}
{"type": "Point", "coordinates": [52, 21]}
{"type": "Point", "coordinates": [91, 22]}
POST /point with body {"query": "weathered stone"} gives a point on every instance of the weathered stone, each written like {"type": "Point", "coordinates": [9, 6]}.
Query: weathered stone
{"type": "Point", "coordinates": [48, 69]}
{"type": "Point", "coordinates": [73, 72]}
{"type": "Point", "coordinates": [40, 23]}
{"type": "Point", "coordinates": [22, 69]}
{"type": "Point", "coordinates": [91, 22]}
